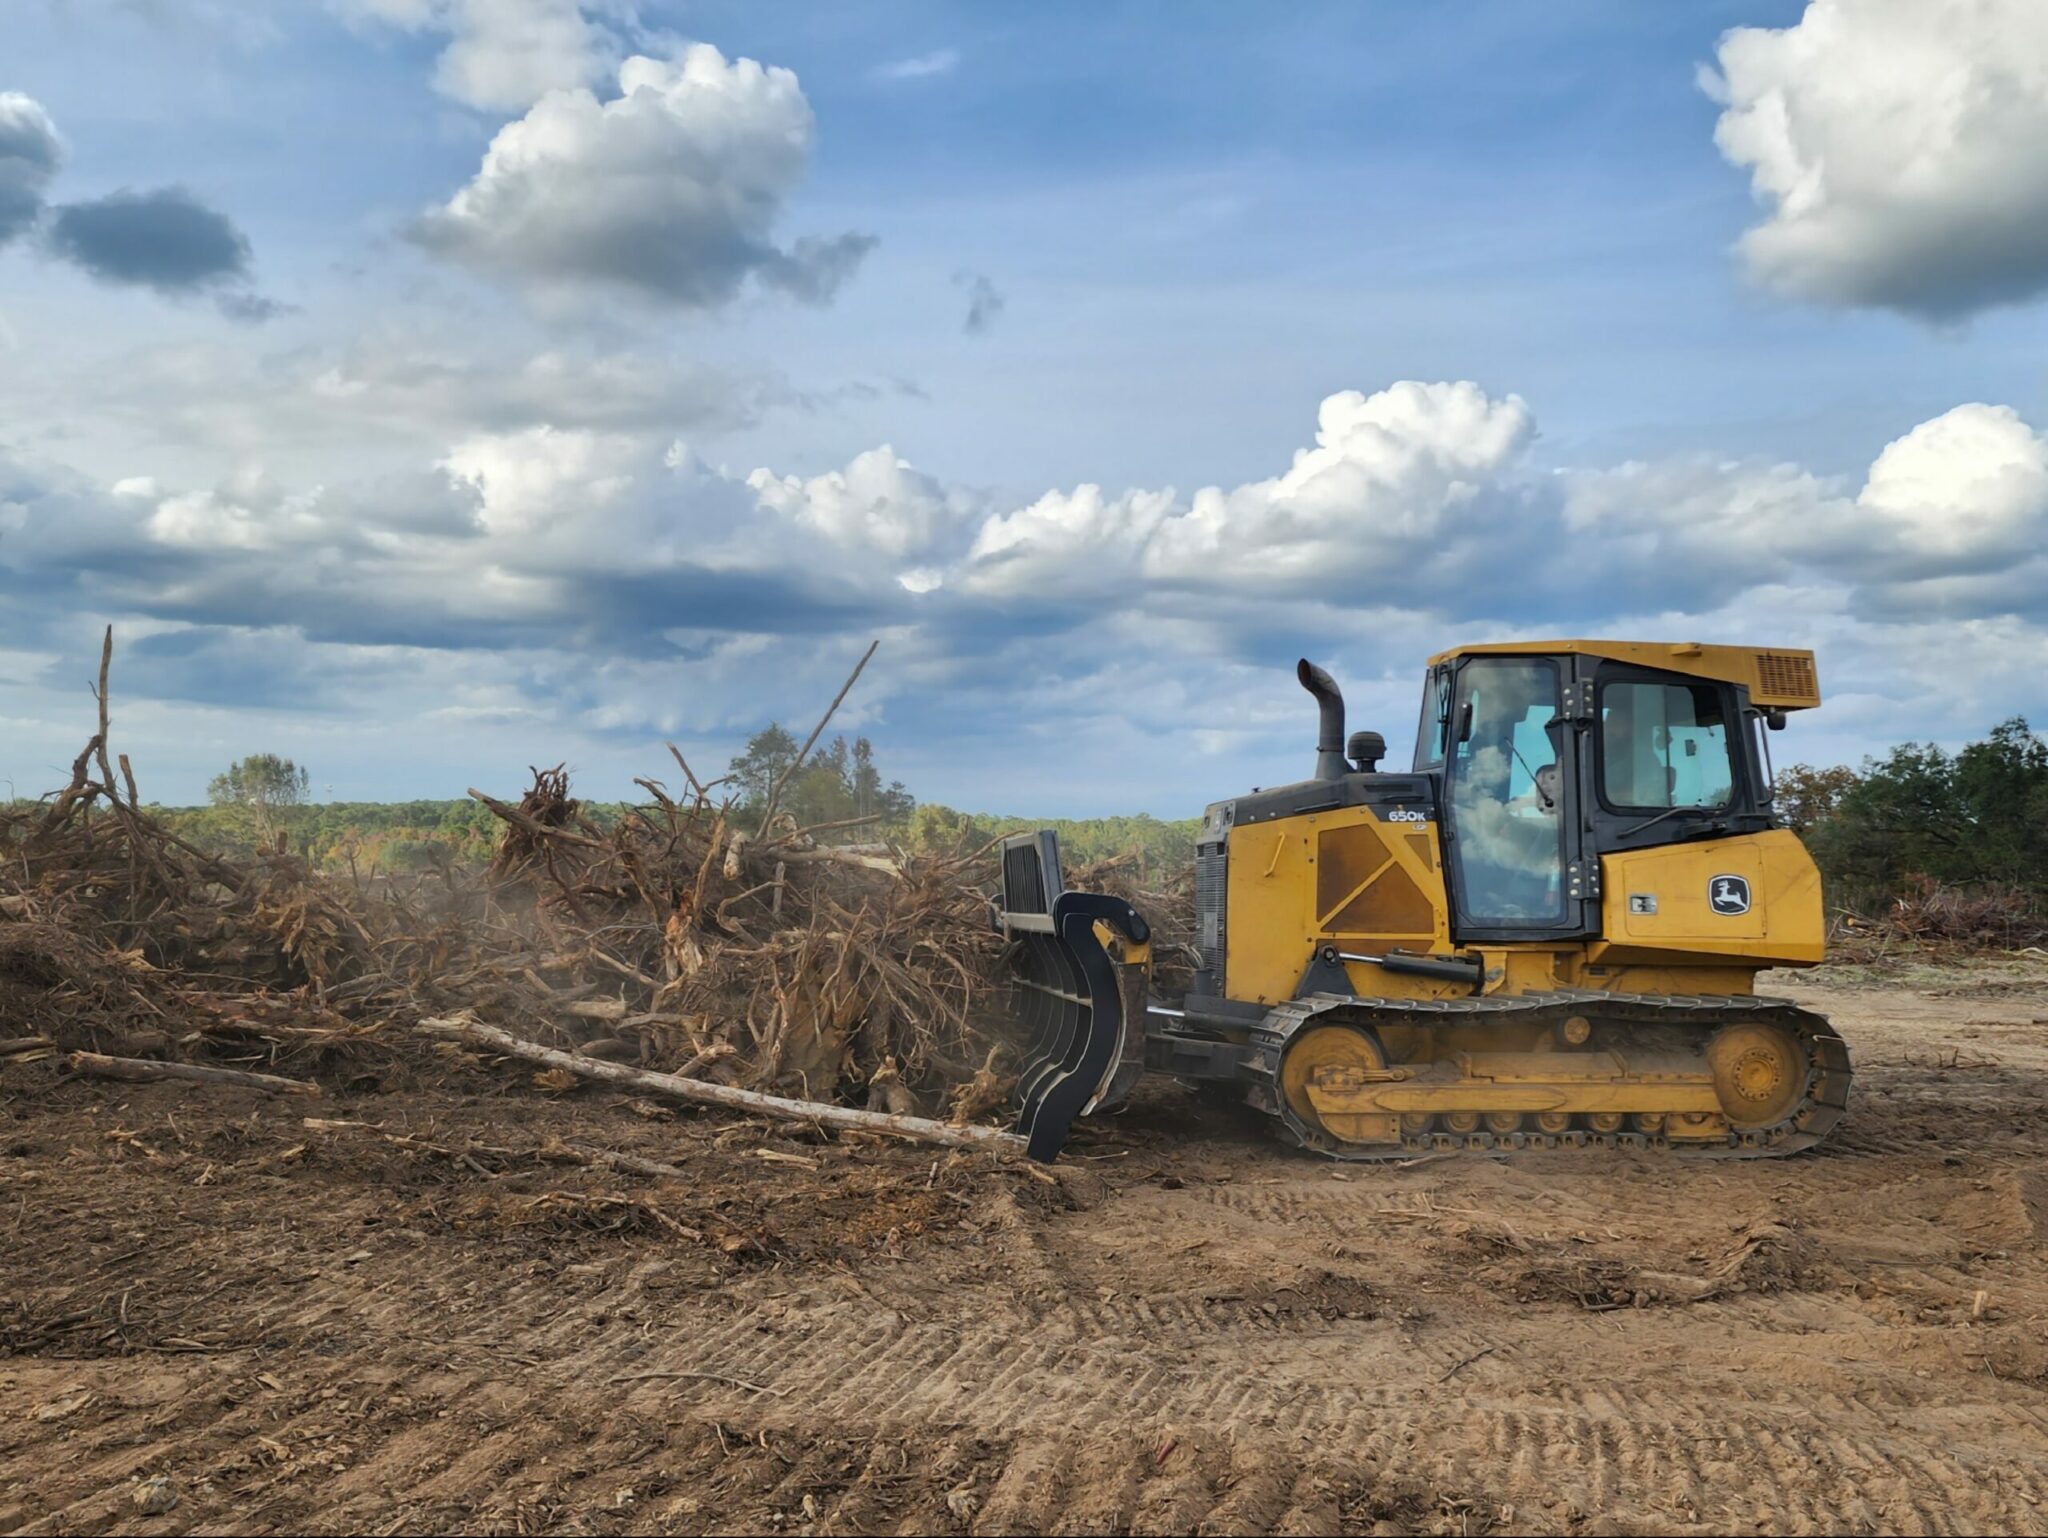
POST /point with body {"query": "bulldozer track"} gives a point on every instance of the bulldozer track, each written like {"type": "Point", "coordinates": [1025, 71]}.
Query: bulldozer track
{"type": "Point", "coordinates": [1819, 1109]}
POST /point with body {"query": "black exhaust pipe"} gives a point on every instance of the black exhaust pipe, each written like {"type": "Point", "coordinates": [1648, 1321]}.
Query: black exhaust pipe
{"type": "Point", "coordinates": [1330, 764]}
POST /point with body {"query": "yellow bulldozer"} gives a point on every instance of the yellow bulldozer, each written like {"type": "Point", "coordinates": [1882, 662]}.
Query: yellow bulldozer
{"type": "Point", "coordinates": [1545, 933]}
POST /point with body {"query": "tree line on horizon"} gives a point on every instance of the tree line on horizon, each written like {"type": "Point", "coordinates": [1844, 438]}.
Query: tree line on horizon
{"type": "Point", "coordinates": [1975, 819]}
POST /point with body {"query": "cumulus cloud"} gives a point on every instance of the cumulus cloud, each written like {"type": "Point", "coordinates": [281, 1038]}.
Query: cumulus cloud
{"type": "Point", "coordinates": [542, 477]}
{"type": "Point", "coordinates": [510, 53]}
{"type": "Point", "coordinates": [1388, 472]}
{"type": "Point", "coordinates": [576, 569]}
{"type": "Point", "coordinates": [1966, 490]}
{"type": "Point", "coordinates": [30, 153]}
{"type": "Point", "coordinates": [1951, 518]}
{"type": "Point", "coordinates": [878, 504]}
{"type": "Point", "coordinates": [1416, 498]}
{"type": "Point", "coordinates": [1896, 147]}
{"type": "Point", "coordinates": [668, 192]}
{"type": "Point", "coordinates": [502, 55]}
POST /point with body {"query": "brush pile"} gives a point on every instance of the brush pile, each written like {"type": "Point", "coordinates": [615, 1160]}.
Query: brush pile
{"type": "Point", "coordinates": [762, 956]}
{"type": "Point", "coordinates": [1974, 917]}
{"type": "Point", "coordinates": [683, 937]}
{"type": "Point", "coordinates": [1940, 919]}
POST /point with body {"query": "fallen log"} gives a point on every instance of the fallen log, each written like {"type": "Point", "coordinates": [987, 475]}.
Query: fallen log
{"type": "Point", "coordinates": [16, 1044]}
{"type": "Point", "coordinates": [919, 1128]}
{"type": "Point", "coordinates": [611, 1158]}
{"type": "Point", "coordinates": [140, 1070]}
{"type": "Point", "coordinates": [832, 856]}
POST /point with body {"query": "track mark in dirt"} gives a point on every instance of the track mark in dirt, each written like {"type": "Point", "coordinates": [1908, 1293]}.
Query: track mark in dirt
{"type": "Point", "coordinates": [1211, 1333]}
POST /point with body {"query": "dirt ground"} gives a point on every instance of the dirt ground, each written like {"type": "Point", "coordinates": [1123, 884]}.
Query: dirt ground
{"type": "Point", "coordinates": [215, 1317]}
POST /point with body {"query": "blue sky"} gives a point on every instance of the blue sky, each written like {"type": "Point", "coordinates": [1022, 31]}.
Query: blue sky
{"type": "Point", "coordinates": [420, 459]}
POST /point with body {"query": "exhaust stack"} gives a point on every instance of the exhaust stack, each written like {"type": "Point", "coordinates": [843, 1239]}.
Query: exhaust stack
{"type": "Point", "coordinates": [1330, 764]}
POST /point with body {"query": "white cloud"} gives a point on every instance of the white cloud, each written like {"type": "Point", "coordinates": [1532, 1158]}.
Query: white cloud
{"type": "Point", "coordinates": [879, 502]}
{"type": "Point", "coordinates": [668, 192]}
{"type": "Point", "coordinates": [1066, 544]}
{"type": "Point", "coordinates": [923, 66]}
{"type": "Point", "coordinates": [209, 520]}
{"type": "Point", "coordinates": [1952, 517]}
{"type": "Point", "coordinates": [1387, 472]}
{"type": "Point", "coordinates": [1897, 147]}
{"type": "Point", "coordinates": [502, 55]}
{"type": "Point", "coordinates": [542, 477]}
{"type": "Point", "coordinates": [1969, 489]}
{"type": "Point", "coordinates": [613, 582]}
{"type": "Point", "coordinates": [510, 53]}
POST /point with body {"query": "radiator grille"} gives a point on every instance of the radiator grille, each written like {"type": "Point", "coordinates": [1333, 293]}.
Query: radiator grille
{"type": "Point", "coordinates": [1786, 680]}
{"type": "Point", "coordinates": [1211, 871]}
{"type": "Point", "coordinates": [1031, 872]}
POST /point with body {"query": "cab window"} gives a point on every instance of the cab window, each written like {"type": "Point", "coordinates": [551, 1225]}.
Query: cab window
{"type": "Point", "coordinates": [1436, 721]}
{"type": "Point", "coordinates": [1506, 794]}
{"type": "Point", "coordinates": [1664, 745]}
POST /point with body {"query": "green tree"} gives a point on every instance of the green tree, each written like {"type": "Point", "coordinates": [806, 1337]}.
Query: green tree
{"type": "Point", "coordinates": [2002, 784]}
{"type": "Point", "coordinates": [1977, 816]}
{"type": "Point", "coordinates": [838, 783]}
{"type": "Point", "coordinates": [1806, 796]}
{"type": "Point", "coordinates": [870, 795]}
{"type": "Point", "coordinates": [264, 785]}
{"type": "Point", "coordinates": [769, 754]}
{"type": "Point", "coordinates": [867, 779]}
{"type": "Point", "coordinates": [940, 830]}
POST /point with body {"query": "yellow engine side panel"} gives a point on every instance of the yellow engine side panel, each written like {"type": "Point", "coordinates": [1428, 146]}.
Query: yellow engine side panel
{"type": "Point", "coordinates": [1341, 877]}
{"type": "Point", "coordinates": [1755, 898]}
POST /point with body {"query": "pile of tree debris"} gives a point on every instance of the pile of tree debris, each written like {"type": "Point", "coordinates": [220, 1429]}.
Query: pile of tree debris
{"type": "Point", "coordinates": [750, 958]}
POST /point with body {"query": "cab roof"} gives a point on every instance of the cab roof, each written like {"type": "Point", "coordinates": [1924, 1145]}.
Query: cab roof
{"type": "Point", "coordinates": [1778, 678]}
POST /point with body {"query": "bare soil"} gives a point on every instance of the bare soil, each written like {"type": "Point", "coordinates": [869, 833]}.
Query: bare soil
{"type": "Point", "coordinates": [217, 1318]}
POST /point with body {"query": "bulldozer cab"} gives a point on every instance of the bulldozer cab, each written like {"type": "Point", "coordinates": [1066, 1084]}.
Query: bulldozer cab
{"type": "Point", "coordinates": [1549, 759]}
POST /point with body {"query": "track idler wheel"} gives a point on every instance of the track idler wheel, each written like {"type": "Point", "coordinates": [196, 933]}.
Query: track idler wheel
{"type": "Point", "coordinates": [1760, 1073]}
{"type": "Point", "coordinates": [1322, 1063]}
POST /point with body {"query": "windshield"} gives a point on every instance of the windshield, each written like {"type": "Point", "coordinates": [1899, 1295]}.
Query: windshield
{"type": "Point", "coordinates": [1664, 745]}
{"type": "Point", "coordinates": [1505, 793]}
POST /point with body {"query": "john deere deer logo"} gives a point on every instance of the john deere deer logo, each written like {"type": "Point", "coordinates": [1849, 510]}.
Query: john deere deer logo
{"type": "Point", "coordinates": [1728, 894]}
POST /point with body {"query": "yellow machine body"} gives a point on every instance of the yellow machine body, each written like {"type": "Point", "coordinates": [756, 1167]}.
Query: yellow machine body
{"type": "Point", "coordinates": [1776, 678]}
{"type": "Point", "coordinates": [1547, 932]}
{"type": "Point", "coordinates": [1346, 878]}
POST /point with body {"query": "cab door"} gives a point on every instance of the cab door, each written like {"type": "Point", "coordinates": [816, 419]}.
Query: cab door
{"type": "Point", "coordinates": [1672, 773]}
{"type": "Point", "coordinates": [1513, 788]}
